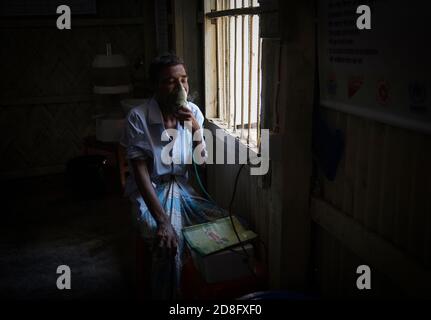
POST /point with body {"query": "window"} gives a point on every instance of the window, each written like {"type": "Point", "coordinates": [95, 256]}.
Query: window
{"type": "Point", "coordinates": [233, 67]}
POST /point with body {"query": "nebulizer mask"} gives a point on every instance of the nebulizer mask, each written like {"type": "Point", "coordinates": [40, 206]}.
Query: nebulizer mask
{"type": "Point", "coordinates": [177, 98]}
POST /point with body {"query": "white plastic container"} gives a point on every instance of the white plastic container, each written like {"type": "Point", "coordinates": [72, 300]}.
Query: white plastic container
{"type": "Point", "coordinates": [225, 265]}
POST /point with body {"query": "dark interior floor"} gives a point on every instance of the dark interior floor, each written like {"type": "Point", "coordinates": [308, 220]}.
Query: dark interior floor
{"type": "Point", "coordinates": [44, 225]}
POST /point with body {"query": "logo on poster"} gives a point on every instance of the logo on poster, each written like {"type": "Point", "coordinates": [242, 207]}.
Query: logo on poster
{"type": "Point", "coordinates": [354, 84]}
{"type": "Point", "coordinates": [382, 92]}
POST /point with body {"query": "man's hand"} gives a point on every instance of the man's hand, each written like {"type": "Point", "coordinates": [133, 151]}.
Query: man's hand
{"type": "Point", "coordinates": [184, 114]}
{"type": "Point", "coordinates": [167, 236]}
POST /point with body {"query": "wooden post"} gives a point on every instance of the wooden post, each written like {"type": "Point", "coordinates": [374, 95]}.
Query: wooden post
{"type": "Point", "coordinates": [294, 168]}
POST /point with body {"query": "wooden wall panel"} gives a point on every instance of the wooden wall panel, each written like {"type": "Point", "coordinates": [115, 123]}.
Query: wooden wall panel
{"type": "Point", "coordinates": [252, 202]}
{"type": "Point", "coordinates": [336, 272]}
{"type": "Point", "coordinates": [384, 183]}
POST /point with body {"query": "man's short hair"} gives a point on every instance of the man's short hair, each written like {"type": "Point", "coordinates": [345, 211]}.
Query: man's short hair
{"type": "Point", "coordinates": [163, 61]}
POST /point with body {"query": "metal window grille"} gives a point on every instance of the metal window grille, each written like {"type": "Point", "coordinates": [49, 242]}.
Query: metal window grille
{"type": "Point", "coordinates": [238, 62]}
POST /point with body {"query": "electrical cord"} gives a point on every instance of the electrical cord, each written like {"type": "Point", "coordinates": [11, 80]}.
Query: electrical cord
{"type": "Point", "coordinates": [200, 182]}
{"type": "Point", "coordinates": [245, 253]}
{"type": "Point", "coordinates": [241, 243]}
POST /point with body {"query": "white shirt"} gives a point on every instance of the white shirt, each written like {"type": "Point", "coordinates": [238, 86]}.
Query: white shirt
{"type": "Point", "coordinates": [143, 138]}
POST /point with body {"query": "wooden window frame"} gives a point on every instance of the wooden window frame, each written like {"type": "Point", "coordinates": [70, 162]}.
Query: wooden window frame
{"type": "Point", "coordinates": [218, 81]}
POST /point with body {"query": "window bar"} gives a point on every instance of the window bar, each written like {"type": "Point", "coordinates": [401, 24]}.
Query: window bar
{"type": "Point", "coordinates": [259, 65]}
{"type": "Point", "coordinates": [223, 60]}
{"type": "Point", "coordinates": [227, 72]}
{"type": "Point", "coordinates": [230, 70]}
{"type": "Point", "coordinates": [229, 64]}
{"type": "Point", "coordinates": [234, 72]}
{"type": "Point", "coordinates": [221, 53]}
{"type": "Point", "coordinates": [250, 73]}
{"type": "Point", "coordinates": [219, 98]}
{"type": "Point", "coordinates": [243, 73]}
{"type": "Point", "coordinates": [226, 59]}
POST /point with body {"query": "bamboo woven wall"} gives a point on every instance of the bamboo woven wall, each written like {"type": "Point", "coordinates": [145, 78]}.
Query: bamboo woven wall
{"type": "Point", "coordinates": [43, 135]}
{"type": "Point", "coordinates": [46, 101]}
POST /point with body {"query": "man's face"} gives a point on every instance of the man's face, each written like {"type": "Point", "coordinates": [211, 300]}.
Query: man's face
{"type": "Point", "coordinates": [170, 78]}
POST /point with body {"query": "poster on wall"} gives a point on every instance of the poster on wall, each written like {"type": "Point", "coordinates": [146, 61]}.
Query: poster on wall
{"type": "Point", "coordinates": [380, 73]}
